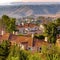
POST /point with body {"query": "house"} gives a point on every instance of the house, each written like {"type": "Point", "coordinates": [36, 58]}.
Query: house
{"type": "Point", "coordinates": [4, 36]}
{"type": "Point", "coordinates": [21, 40]}
{"type": "Point", "coordinates": [38, 43]}
{"type": "Point", "coordinates": [27, 42]}
{"type": "Point", "coordinates": [27, 28]}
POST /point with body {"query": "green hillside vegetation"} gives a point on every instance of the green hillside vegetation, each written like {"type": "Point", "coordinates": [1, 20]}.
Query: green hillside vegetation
{"type": "Point", "coordinates": [14, 52]}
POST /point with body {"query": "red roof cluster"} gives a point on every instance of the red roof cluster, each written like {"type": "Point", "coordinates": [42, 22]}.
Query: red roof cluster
{"type": "Point", "coordinates": [26, 25]}
{"type": "Point", "coordinates": [27, 41]}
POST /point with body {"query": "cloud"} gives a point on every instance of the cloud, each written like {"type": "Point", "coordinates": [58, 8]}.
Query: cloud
{"type": "Point", "coordinates": [8, 1]}
{"type": "Point", "coordinates": [41, 0]}
{"type": "Point", "coordinates": [4, 2]}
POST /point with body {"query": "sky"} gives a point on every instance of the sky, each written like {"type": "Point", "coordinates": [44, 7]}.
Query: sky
{"type": "Point", "coordinates": [8, 1]}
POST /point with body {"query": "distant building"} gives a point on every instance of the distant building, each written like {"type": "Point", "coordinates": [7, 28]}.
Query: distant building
{"type": "Point", "coordinates": [27, 42]}
{"type": "Point", "coordinates": [28, 28]}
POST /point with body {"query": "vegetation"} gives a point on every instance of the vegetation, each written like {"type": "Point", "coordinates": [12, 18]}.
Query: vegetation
{"type": "Point", "coordinates": [4, 50]}
{"type": "Point", "coordinates": [50, 52]}
{"type": "Point", "coordinates": [51, 32]}
{"type": "Point", "coordinates": [57, 21]}
{"type": "Point", "coordinates": [14, 52]}
{"type": "Point", "coordinates": [8, 23]}
{"type": "Point", "coordinates": [39, 36]}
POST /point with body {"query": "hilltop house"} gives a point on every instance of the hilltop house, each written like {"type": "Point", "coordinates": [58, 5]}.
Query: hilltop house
{"type": "Point", "coordinates": [27, 42]}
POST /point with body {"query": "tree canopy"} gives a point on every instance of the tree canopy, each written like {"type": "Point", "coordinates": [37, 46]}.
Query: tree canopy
{"type": "Point", "coordinates": [51, 32]}
{"type": "Point", "coordinates": [8, 23]}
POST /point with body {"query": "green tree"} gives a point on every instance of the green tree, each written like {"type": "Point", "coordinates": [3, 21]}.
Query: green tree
{"type": "Point", "coordinates": [11, 27]}
{"type": "Point", "coordinates": [5, 21]}
{"type": "Point", "coordinates": [35, 56]}
{"type": "Point", "coordinates": [50, 52]}
{"type": "Point", "coordinates": [51, 32]}
{"type": "Point", "coordinates": [57, 21]}
{"type": "Point", "coordinates": [24, 55]}
{"type": "Point", "coordinates": [4, 50]}
{"type": "Point", "coordinates": [14, 53]}
{"type": "Point", "coordinates": [8, 23]}
{"type": "Point", "coordinates": [39, 36]}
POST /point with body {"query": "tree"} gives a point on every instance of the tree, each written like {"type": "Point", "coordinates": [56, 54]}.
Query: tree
{"type": "Point", "coordinates": [24, 55]}
{"type": "Point", "coordinates": [39, 36]}
{"type": "Point", "coordinates": [8, 23]}
{"type": "Point", "coordinates": [57, 22]}
{"type": "Point", "coordinates": [14, 53]}
{"type": "Point", "coordinates": [4, 50]}
{"type": "Point", "coordinates": [51, 52]}
{"type": "Point", "coordinates": [5, 21]}
{"type": "Point", "coordinates": [11, 27]}
{"type": "Point", "coordinates": [35, 56]}
{"type": "Point", "coordinates": [51, 32]}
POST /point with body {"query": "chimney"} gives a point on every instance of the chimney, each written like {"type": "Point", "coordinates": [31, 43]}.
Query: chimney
{"type": "Point", "coordinates": [21, 47]}
{"type": "Point", "coordinates": [13, 32]}
{"type": "Point", "coordinates": [46, 38]}
{"type": "Point", "coordinates": [22, 24]}
{"type": "Point", "coordinates": [2, 33]}
{"type": "Point", "coordinates": [32, 35]}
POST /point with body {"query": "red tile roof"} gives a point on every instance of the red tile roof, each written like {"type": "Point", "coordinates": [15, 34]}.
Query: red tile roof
{"type": "Point", "coordinates": [27, 25]}
{"type": "Point", "coordinates": [28, 40]}
{"type": "Point", "coordinates": [5, 36]}
{"type": "Point", "coordinates": [20, 39]}
{"type": "Point", "coordinates": [39, 43]}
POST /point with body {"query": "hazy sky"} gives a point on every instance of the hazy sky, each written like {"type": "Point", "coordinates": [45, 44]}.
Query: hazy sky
{"type": "Point", "coordinates": [41, 0]}
{"type": "Point", "coordinates": [8, 1]}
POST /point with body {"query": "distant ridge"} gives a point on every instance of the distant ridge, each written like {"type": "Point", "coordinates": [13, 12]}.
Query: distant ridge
{"type": "Point", "coordinates": [21, 10]}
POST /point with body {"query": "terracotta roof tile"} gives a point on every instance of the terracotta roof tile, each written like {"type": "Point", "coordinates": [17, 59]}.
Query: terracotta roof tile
{"type": "Point", "coordinates": [27, 25]}
{"type": "Point", "coordinates": [20, 39]}
{"type": "Point", "coordinates": [5, 36]}
{"type": "Point", "coordinates": [39, 43]}
{"type": "Point", "coordinates": [23, 39]}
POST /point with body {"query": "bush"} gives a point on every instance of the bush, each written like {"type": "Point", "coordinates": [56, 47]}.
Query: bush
{"type": "Point", "coordinates": [39, 36]}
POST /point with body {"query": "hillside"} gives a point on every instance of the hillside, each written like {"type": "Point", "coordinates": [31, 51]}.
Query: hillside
{"type": "Point", "coordinates": [27, 10]}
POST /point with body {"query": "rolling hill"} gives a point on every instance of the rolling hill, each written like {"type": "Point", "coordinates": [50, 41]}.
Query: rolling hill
{"type": "Point", "coordinates": [27, 10]}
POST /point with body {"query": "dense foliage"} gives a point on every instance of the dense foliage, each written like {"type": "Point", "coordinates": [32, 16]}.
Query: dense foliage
{"type": "Point", "coordinates": [57, 21]}
{"type": "Point", "coordinates": [4, 49]}
{"type": "Point", "coordinates": [14, 52]}
{"type": "Point", "coordinates": [7, 23]}
{"type": "Point", "coordinates": [51, 32]}
{"type": "Point", "coordinates": [41, 37]}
